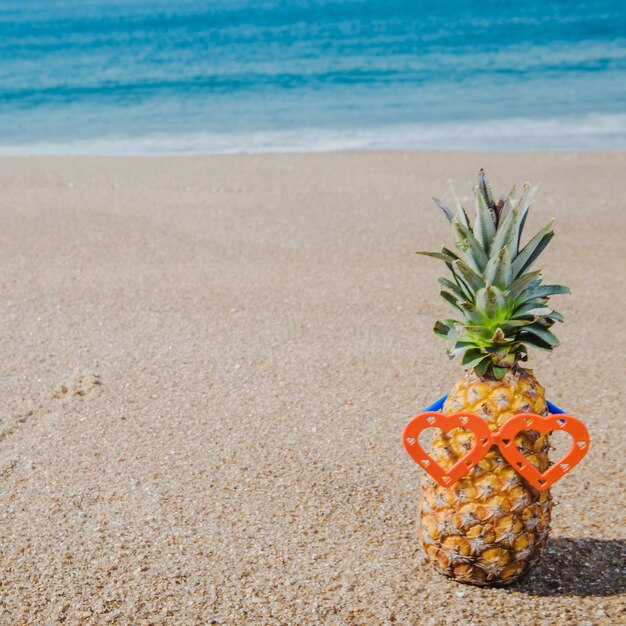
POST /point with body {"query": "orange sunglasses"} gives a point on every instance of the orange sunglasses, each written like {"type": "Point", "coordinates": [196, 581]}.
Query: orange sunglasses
{"type": "Point", "coordinates": [504, 438]}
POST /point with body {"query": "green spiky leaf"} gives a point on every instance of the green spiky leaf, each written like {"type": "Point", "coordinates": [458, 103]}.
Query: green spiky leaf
{"type": "Point", "coordinates": [499, 372]}
{"type": "Point", "coordinates": [484, 224]}
{"type": "Point", "coordinates": [472, 278]}
{"type": "Point", "coordinates": [498, 271]}
{"type": "Point", "coordinates": [437, 255]}
{"type": "Point", "coordinates": [455, 288]}
{"type": "Point", "coordinates": [446, 211]}
{"type": "Point", "coordinates": [475, 255]}
{"type": "Point", "coordinates": [533, 249]}
{"type": "Point", "coordinates": [491, 301]}
{"type": "Point", "coordinates": [482, 366]}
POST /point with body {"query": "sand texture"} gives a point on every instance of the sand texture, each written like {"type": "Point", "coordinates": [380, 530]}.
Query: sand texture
{"type": "Point", "coordinates": [207, 363]}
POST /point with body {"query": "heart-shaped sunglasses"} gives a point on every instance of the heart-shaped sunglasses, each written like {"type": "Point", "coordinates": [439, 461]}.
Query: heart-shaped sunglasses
{"type": "Point", "coordinates": [504, 439]}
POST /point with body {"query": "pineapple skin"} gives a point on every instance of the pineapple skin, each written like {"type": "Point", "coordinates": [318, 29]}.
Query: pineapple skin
{"type": "Point", "coordinates": [491, 526]}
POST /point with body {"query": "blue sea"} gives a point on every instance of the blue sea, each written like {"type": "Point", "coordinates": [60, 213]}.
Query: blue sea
{"type": "Point", "coordinates": [220, 76]}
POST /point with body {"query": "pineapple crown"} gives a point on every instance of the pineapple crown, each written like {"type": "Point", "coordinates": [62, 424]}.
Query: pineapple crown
{"type": "Point", "coordinates": [501, 305]}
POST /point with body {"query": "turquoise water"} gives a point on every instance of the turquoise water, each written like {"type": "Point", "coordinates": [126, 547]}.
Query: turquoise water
{"type": "Point", "coordinates": [150, 76]}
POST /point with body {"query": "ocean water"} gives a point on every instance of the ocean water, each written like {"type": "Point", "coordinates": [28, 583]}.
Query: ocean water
{"type": "Point", "coordinates": [184, 76]}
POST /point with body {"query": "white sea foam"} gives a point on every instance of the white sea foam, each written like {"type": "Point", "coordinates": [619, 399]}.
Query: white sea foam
{"type": "Point", "coordinates": [590, 132]}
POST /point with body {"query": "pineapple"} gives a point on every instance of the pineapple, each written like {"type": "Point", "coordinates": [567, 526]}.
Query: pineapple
{"type": "Point", "coordinates": [491, 525]}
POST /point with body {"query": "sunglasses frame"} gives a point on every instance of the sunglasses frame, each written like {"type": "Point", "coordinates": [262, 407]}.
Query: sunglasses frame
{"type": "Point", "coordinates": [504, 439]}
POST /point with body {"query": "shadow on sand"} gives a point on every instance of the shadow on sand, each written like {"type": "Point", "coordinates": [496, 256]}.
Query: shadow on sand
{"type": "Point", "coordinates": [578, 567]}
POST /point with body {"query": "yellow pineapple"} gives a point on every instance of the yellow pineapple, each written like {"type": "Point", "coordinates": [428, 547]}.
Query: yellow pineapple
{"type": "Point", "coordinates": [491, 525]}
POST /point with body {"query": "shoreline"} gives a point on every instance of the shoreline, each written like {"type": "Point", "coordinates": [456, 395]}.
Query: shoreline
{"type": "Point", "coordinates": [590, 132]}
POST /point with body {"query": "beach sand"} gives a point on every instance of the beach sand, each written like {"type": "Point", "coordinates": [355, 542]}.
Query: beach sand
{"type": "Point", "coordinates": [207, 363]}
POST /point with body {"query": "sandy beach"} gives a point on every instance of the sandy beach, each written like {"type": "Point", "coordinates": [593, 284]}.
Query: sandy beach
{"type": "Point", "coordinates": [207, 363]}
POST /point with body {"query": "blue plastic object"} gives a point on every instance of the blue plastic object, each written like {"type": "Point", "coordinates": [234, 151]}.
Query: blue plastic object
{"type": "Point", "coordinates": [437, 406]}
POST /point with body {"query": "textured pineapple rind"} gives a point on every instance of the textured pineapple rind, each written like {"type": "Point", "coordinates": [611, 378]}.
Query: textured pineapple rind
{"type": "Point", "coordinates": [491, 526]}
